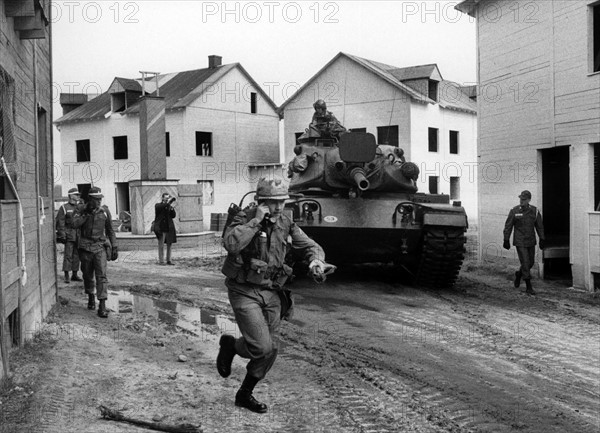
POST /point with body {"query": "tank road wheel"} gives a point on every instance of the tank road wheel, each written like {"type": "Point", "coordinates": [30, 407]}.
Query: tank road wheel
{"type": "Point", "coordinates": [441, 257]}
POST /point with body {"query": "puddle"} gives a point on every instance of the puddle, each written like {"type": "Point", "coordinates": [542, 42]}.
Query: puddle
{"type": "Point", "coordinates": [185, 317]}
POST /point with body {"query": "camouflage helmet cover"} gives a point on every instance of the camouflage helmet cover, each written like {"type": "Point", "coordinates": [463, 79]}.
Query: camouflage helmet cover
{"type": "Point", "coordinates": [271, 189]}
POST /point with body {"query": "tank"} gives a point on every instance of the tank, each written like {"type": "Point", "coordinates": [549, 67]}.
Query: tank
{"type": "Point", "coordinates": [360, 202]}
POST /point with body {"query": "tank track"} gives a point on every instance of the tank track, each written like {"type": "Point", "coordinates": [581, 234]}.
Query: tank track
{"type": "Point", "coordinates": [441, 257]}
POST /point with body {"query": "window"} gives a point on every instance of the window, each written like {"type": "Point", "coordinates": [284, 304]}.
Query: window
{"type": "Point", "coordinates": [43, 161]}
{"type": "Point", "coordinates": [433, 184]}
{"type": "Point", "coordinates": [203, 143]}
{"type": "Point", "coordinates": [387, 135]}
{"type": "Point", "coordinates": [83, 150]}
{"type": "Point", "coordinates": [595, 57]}
{"type": "Point", "coordinates": [253, 102]}
{"type": "Point", "coordinates": [120, 147]}
{"type": "Point", "coordinates": [433, 139]}
{"type": "Point", "coordinates": [118, 102]}
{"type": "Point", "coordinates": [454, 142]}
{"type": "Point", "coordinates": [358, 130]}
{"type": "Point", "coordinates": [433, 90]}
{"type": "Point", "coordinates": [168, 143]}
{"type": "Point", "coordinates": [208, 192]}
{"type": "Point", "coordinates": [454, 188]}
{"type": "Point", "coordinates": [7, 142]}
{"type": "Point", "coordinates": [297, 135]}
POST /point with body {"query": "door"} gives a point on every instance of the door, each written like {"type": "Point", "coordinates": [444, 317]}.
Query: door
{"type": "Point", "coordinates": [190, 208]}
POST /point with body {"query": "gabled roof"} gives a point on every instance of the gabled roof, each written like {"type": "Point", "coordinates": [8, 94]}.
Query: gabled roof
{"type": "Point", "coordinates": [395, 76]}
{"type": "Point", "coordinates": [120, 84]}
{"type": "Point", "coordinates": [468, 6]}
{"type": "Point", "coordinates": [179, 90]}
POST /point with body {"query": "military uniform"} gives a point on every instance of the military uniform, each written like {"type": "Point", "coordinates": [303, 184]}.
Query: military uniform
{"type": "Point", "coordinates": [68, 235]}
{"type": "Point", "coordinates": [97, 245]}
{"type": "Point", "coordinates": [256, 272]}
{"type": "Point", "coordinates": [526, 220]}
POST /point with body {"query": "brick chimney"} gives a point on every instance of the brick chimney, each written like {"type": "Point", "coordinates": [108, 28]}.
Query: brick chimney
{"type": "Point", "coordinates": [214, 61]}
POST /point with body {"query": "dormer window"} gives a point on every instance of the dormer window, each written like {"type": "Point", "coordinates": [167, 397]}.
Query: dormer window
{"type": "Point", "coordinates": [117, 101]}
{"type": "Point", "coordinates": [433, 90]}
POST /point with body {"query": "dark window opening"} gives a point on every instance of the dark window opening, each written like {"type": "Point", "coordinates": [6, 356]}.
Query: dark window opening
{"type": "Point", "coordinates": [7, 142]}
{"type": "Point", "coordinates": [433, 184]}
{"type": "Point", "coordinates": [83, 150]}
{"type": "Point", "coordinates": [84, 189]}
{"type": "Point", "coordinates": [297, 135]}
{"type": "Point", "coordinates": [168, 143]}
{"type": "Point", "coordinates": [454, 188]}
{"type": "Point", "coordinates": [454, 142]}
{"type": "Point", "coordinates": [253, 102]}
{"type": "Point", "coordinates": [120, 147]}
{"type": "Point", "coordinates": [358, 129]}
{"type": "Point", "coordinates": [433, 90]}
{"type": "Point", "coordinates": [14, 328]}
{"type": "Point", "coordinates": [118, 102]}
{"type": "Point", "coordinates": [387, 135]}
{"type": "Point", "coordinates": [433, 139]}
{"type": "Point", "coordinates": [597, 177]}
{"type": "Point", "coordinates": [204, 143]}
{"type": "Point", "coordinates": [596, 32]}
{"type": "Point", "coordinates": [43, 160]}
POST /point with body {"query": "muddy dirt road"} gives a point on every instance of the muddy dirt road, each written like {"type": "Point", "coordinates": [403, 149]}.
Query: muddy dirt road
{"type": "Point", "coordinates": [362, 354]}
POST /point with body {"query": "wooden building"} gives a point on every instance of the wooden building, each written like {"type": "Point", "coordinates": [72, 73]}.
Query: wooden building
{"type": "Point", "coordinates": [539, 126]}
{"type": "Point", "coordinates": [218, 127]}
{"type": "Point", "coordinates": [27, 249]}
{"type": "Point", "coordinates": [432, 119]}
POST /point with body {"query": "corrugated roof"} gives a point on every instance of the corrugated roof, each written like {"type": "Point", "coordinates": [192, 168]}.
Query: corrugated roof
{"type": "Point", "coordinates": [129, 84]}
{"type": "Point", "coordinates": [179, 90]}
{"type": "Point", "coordinates": [94, 109]}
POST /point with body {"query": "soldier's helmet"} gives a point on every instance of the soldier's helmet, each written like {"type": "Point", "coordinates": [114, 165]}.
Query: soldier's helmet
{"type": "Point", "coordinates": [271, 189]}
{"type": "Point", "coordinates": [74, 191]}
{"type": "Point", "coordinates": [319, 103]}
{"type": "Point", "coordinates": [95, 192]}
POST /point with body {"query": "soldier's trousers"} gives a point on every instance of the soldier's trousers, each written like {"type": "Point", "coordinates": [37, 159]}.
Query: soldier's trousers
{"type": "Point", "coordinates": [94, 264]}
{"type": "Point", "coordinates": [257, 313]}
{"type": "Point", "coordinates": [71, 257]}
{"type": "Point", "coordinates": [527, 259]}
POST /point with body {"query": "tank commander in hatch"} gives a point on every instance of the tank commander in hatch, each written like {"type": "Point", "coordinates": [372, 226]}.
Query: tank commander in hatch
{"type": "Point", "coordinates": [324, 124]}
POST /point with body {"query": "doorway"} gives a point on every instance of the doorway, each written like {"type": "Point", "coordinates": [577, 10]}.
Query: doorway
{"type": "Point", "coordinates": [122, 192]}
{"type": "Point", "coordinates": [556, 212]}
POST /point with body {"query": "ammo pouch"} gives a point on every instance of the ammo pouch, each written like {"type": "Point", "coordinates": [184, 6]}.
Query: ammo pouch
{"type": "Point", "coordinates": [259, 273]}
{"type": "Point", "coordinates": [233, 268]}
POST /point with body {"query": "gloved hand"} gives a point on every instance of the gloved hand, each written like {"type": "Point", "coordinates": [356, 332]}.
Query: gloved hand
{"type": "Point", "coordinates": [542, 244]}
{"type": "Point", "coordinates": [506, 245]}
{"type": "Point", "coordinates": [61, 240]}
{"type": "Point", "coordinates": [115, 253]}
{"type": "Point", "coordinates": [319, 270]}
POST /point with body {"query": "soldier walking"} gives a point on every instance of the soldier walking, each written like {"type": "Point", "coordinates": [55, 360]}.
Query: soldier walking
{"type": "Point", "coordinates": [257, 242]}
{"type": "Point", "coordinates": [526, 220]}
{"type": "Point", "coordinates": [67, 235]}
{"type": "Point", "coordinates": [97, 245]}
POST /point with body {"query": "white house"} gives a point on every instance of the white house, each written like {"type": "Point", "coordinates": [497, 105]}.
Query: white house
{"type": "Point", "coordinates": [219, 125]}
{"type": "Point", "coordinates": [539, 120]}
{"type": "Point", "coordinates": [432, 119]}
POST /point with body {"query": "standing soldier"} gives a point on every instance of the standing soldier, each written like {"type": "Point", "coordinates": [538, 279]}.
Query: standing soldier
{"type": "Point", "coordinates": [66, 234]}
{"type": "Point", "coordinates": [257, 242]}
{"type": "Point", "coordinates": [526, 220]}
{"type": "Point", "coordinates": [97, 244]}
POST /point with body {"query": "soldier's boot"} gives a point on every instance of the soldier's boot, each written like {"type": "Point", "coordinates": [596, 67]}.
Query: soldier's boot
{"type": "Point", "coordinates": [102, 311]}
{"type": "Point", "coordinates": [67, 278]}
{"type": "Point", "coordinates": [244, 397]}
{"type": "Point", "coordinates": [517, 279]}
{"type": "Point", "coordinates": [91, 301]}
{"type": "Point", "coordinates": [226, 354]}
{"type": "Point", "coordinates": [74, 277]}
{"type": "Point", "coordinates": [529, 289]}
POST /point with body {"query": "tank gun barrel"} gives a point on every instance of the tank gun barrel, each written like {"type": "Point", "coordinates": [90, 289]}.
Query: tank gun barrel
{"type": "Point", "coordinates": [358, 175]}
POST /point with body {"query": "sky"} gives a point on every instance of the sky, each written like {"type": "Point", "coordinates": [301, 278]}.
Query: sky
{"type": "Point", "coordinates": [281, 44]}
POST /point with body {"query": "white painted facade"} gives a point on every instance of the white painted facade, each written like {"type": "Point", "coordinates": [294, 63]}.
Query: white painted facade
{"type": "Point", "coordinates": [538, 93]}
{"type": "Point", "coordinates": [239, 138]}
{"type": "Point", "coordinates": [360, 98]}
